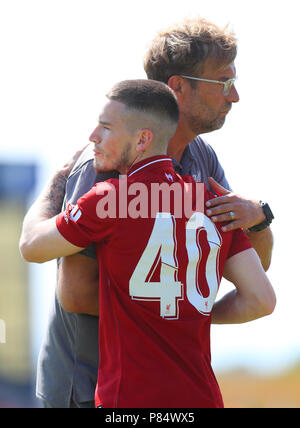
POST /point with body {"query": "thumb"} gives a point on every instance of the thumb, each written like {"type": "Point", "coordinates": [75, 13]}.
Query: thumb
{"type": "Point", "coordinates": [220, 190]}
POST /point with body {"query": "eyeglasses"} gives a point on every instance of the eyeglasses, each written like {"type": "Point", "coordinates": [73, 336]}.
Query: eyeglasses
{"type": "Point", "coordinates": [227, 84]}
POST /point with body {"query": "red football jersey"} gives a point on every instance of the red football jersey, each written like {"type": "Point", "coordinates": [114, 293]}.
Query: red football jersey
{"type": "Point", "coordinates": [159, 278]}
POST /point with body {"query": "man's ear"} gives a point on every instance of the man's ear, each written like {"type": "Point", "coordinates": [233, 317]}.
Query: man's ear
{"type": "Point", "coordinates": [145, 139]}
{"type": "Point", "coordinates": [176, 83]}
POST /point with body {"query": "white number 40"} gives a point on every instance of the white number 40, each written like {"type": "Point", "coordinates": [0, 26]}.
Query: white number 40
{"type": "Point", "coordinates": [162, 247]}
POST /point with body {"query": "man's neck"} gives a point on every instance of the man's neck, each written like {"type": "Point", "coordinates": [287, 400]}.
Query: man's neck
{"type": "Point", "coordinates": [142, 156]}
{"type": "Point", "coordinates": [178, 143]}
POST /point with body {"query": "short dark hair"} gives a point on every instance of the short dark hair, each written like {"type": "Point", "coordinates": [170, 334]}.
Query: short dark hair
{"type": "Point", "coordinates": [148, 96]}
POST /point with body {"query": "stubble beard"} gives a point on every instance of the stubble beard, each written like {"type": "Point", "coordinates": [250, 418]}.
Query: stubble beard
{"type": "Point", "coordinates": [205, 121]}
{"type": "Point", "coordinates": [107, 164]}
{"type": "Point", "coordinates": [199, 126]}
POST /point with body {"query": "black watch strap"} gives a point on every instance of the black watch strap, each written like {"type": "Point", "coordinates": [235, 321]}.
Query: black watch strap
{"type": "Point", "coordinates": [269, 217]}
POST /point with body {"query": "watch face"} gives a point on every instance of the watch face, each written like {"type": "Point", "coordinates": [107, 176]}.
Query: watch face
{"type": "Point", "coordinates": [268, 213]}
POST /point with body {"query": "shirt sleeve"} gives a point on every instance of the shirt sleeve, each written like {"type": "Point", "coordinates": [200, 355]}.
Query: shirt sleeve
{"type": "Point", "coordinates": [82, 224]}
{"type": "Point", "coordinates": [82, 178]}
{"type": "Point", "coordinates": [240, 242]}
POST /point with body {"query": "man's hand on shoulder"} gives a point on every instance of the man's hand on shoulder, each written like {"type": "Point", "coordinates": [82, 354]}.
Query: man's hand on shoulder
{"type": "Point", "coordinates": [243, 213]}
{"type": "Point", "coordinates": [230, 207]}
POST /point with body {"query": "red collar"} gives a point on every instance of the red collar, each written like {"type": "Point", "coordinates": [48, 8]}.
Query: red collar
{"type": "Point", "coordinates": [161, 161]}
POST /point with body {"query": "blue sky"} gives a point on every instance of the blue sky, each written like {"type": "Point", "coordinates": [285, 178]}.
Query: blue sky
{"type": "Point", "coordinates": [60, 56]}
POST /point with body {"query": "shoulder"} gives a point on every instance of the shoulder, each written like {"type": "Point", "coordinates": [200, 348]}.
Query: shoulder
{"type": "Point", "coordinates": [199, 145]}
{"type": "Point", "coordinates": [82, 177]}
{"type": "Point", "coordinates": [100, 202]}
{"type": "Point", "coordinates": [105, 187]}
{"type": "Point", "coordinates": [208, 159]}
{"type": "Point", "coordinates": [85, 160]}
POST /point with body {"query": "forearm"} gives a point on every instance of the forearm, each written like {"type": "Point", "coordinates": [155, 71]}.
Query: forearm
{"type": "Point", "coordinates": [233, 308]}
{"type": "Point", "coordinates": [50, 201]}
{"type": "Point", "coordinates": [40, 239]}
{"type": "Point", "coordinates": [47, 205]}
{"type": "Point", "coordinates": [263, 243]}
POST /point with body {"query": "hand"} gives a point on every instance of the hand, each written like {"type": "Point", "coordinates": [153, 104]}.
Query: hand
{"type": "Point", "coordinates": [67, 168]}
{"type": "Point", "coordinates": [229, 207]}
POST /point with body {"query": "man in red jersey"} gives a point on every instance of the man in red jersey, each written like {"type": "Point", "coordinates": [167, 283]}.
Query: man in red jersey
{"type": "Point", "coordinates": [160, 268]}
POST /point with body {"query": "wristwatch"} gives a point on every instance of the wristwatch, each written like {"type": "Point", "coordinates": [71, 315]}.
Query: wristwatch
{"type": "Point", "coordinates": [269, 217]}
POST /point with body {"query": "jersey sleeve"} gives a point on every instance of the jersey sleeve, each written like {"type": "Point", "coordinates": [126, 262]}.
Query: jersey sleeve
{"type": "Point", "coordinates": [82, 178]}
{"type": "Point", "coordinates": [240, 242]}
{"type": "Point", "coordinates": [82, 224]}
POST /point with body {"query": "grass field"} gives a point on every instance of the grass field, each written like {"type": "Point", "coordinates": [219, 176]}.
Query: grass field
{"type": "Point", "coordinates": [242, 389]}
{"type": "Point", "coordinates": [14, 297]}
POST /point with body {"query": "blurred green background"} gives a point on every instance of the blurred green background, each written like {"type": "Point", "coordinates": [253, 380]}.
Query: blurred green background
{"type": "Point", "coordinates": [17, 373]}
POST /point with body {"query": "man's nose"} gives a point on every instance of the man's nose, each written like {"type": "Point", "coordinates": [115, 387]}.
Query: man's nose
{"type": "Point", "coordinates": [95, 137]}
{"type": "Point", "coordinates": [233, 96]}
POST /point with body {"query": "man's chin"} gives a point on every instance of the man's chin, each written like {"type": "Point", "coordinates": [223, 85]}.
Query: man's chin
{"type": "Point", "coordinates": [98, 167]}
{"type": "Point", "coordinates": [204, 127]}
{"type": "Point", "coordinates": [217, 124]}
{"type": "Point", "coordinates": [220, 123]}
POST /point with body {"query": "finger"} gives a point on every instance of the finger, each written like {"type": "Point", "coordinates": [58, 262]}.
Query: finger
{"type": "Point", "coordinates": [223, 217]}
{"type": "Point", "coordinates": [219, 201]}
{"type": "Point", "coordinates": [220, 190]}
{"type": "Point", "coordinates": [221, 209]}
{"type": "Point", "coordinates": [233, 225]}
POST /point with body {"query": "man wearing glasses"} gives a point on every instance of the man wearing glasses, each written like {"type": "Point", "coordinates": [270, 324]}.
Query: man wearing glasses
{"type": "Point", "coordinates": [227, 87]}
{"type": "Point", "coordinates": [196, 59]}
{"type": "Point", "coordinates": [227, 84]}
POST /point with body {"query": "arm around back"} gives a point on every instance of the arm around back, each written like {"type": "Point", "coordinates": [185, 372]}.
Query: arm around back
{"type": "Point", "coordinates": [41, 241]}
